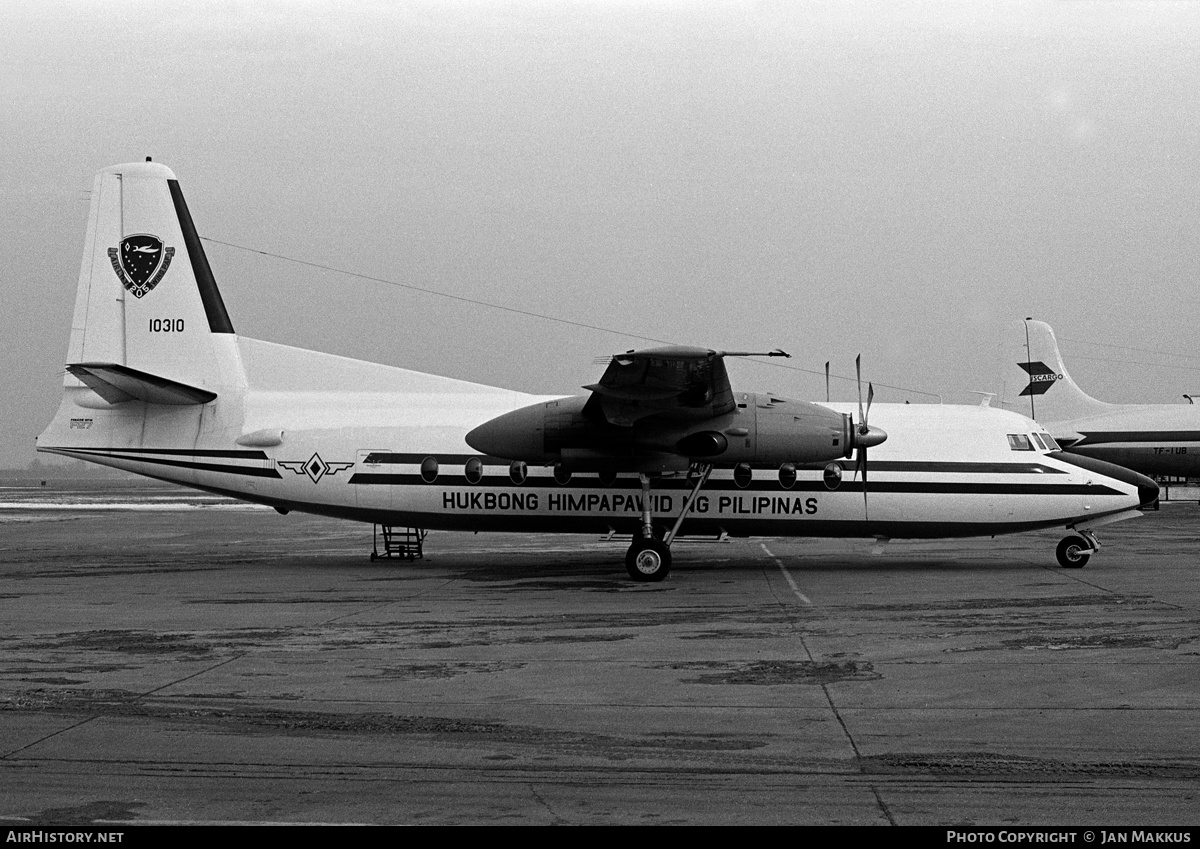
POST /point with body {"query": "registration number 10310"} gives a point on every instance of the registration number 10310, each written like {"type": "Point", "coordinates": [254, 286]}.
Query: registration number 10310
{"type": "Point", "coordinates": [166, 325]}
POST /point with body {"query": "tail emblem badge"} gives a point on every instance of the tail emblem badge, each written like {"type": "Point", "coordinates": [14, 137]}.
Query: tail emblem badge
{"type": "Point", "coordinates": [140, 262]}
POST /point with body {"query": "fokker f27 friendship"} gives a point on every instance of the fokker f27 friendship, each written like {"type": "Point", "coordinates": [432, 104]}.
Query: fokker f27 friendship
{"type": "Point", "coordinates": [158, 383]}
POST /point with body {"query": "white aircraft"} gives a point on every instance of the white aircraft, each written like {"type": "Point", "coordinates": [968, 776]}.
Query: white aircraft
{"type": "Point", "coordinates": [1154, 439]}
{"type": "Point", "coordinates": [158, 383]}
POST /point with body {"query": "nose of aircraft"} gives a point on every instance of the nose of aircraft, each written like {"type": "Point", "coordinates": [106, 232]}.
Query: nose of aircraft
{"type": "Point", "coordinates": [1147, 489]}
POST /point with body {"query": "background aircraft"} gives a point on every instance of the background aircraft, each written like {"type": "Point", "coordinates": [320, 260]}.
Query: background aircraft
{"type": "Point", "coordinates": [157, 382]}
{"type": "Point", "coordinates": [1154, 439]}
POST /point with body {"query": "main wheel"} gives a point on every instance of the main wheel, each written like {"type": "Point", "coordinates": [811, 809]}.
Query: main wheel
{"type": "Point", "coordinates": [648, 560]}
{"type": "Point", "coordinates": [1073, 552]}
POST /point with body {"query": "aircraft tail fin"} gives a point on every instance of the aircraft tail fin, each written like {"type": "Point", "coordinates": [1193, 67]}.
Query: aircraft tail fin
{"type": "Point", "coordinates": [149, 322]}
{"type": "Point", "coordinates": [1039, 380]}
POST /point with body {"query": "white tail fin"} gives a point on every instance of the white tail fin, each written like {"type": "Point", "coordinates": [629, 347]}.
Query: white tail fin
{"type": "Point", "coordinates": [1037, 382]}
{"type": "Point", "coordinates": [147, 310]}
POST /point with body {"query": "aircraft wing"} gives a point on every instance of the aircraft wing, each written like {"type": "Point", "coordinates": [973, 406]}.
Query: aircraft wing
{"type": "Point", "coordinates": [675, 382]}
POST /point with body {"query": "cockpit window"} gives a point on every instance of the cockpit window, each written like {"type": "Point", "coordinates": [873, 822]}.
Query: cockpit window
{"type": "Point", "coordinates": [1019, 442]}
{"type": "Point", "coordinates": [1051, 445]}
{"type": "Point", "coordinates": [1037, 437]}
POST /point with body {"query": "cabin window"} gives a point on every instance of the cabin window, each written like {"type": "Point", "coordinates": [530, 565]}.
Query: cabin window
{"type": "Point", "coordinates": [474, 470]}
{"type": "Point", "coordinates": [787, 475]}
{"type": "Point", "coordinates": [832, 475]}
{"type": "Point", "coordinates": [562, 475]}
{"type": "Point", "coordinates": [742, 475]}
{"type": "Point", "coordinates": [1019, 442]}
{"type": "Point", "coordinates": [429, 470]}
{"type": "Point", "coordinates": [518, 471]}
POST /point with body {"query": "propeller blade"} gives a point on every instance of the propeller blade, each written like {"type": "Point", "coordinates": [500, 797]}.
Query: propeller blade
{"type": "Point", "coordinates": [862, 456]}
{"type": "Point", "coordinates": [863, 430]}
{"type": "Point", "coordinates": [860, 464]}
{"type": "Point", "coordinates": [858, 371]}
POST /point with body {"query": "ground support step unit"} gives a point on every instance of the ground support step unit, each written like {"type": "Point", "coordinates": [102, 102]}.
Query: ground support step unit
{"type": "Point", "coordinates": [401, 543]}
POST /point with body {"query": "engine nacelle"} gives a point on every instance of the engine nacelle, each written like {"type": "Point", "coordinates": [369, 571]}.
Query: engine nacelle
{"type": "Point", "coordinates": [764, 430]}
{"type": "Point", "coordinates": [799, 432]}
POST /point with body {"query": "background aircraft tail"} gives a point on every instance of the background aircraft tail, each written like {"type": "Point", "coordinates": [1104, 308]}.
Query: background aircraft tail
{"type": "Point", "coordinates": [149, 322]}
{"type": "Point", "coordinates": [1037, 382]}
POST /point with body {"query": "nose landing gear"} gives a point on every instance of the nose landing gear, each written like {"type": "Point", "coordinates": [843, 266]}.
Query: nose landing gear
{"type": "Point", "coordinates": [1073, 552]}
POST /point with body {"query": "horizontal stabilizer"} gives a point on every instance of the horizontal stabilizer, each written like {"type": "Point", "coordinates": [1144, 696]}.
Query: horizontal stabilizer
{"type": "Point", "coordinates": [117, 384]}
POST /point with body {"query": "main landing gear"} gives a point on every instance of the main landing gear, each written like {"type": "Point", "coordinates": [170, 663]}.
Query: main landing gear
{"type": "Point", "coordinates": [649, 557]}
{"type": "Point", "coordinates": [1073, 552]}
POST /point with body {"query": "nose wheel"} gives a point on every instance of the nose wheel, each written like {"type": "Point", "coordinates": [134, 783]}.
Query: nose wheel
{"type": "Point", "coordinates": [1073, 552]}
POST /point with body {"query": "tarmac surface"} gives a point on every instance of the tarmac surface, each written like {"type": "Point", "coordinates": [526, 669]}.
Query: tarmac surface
{"type": "Point", "coordinates": [184, 661]}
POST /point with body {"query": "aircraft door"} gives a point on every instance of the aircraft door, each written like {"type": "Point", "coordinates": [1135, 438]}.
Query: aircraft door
{"type": "Point", "coordinates": [372, 478]}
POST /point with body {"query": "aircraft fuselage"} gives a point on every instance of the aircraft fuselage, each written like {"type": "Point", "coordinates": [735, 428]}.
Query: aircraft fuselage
{"type": "Point", "coordinates": [1154, 439]}
{"type": "Point", "coordinates": [394, 452]}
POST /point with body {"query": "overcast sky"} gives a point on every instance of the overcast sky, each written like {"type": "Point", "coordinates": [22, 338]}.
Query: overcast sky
{"type": "Point", "coordinates": [903, 180]}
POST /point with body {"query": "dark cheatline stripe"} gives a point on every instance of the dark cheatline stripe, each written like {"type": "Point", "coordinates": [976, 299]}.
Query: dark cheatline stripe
{"type": "Point", "coordinates": [245, 471]}
{"type": "Point", "coordinates": [210, 296]}
{"type": "Point", "coordinates": [966, 468]}
{"type": "Point", "coordinates": [1099, 437]}
{"type": "Point", "coordinates": [243, 454]}
{"type": "Point", "coordinates": [383, 458]}
{"type": "Point", "coordinates": [388, 458]}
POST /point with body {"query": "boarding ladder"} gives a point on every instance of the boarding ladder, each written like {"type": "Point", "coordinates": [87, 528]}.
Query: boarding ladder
{"type": "Point", "coordinates": [403, 543]}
